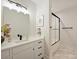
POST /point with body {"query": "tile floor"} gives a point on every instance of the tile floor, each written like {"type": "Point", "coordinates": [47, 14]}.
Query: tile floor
{"type": "Point", "coordinates": [64, 53]}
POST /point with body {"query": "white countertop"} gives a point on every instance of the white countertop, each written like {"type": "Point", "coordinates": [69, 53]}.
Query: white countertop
{"type": "Point", "coordinates": [16, 43]}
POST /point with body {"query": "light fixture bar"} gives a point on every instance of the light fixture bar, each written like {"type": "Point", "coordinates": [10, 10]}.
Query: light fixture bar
{"type": "Point", "coordinates": [17, 4]}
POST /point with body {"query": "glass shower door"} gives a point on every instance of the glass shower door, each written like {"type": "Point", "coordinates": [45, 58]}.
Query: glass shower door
{"type": "Point", "coordinates": [54, 30]}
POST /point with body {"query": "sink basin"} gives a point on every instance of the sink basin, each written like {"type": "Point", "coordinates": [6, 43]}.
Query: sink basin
{"type": "Point", "coordinates": [19, 41]}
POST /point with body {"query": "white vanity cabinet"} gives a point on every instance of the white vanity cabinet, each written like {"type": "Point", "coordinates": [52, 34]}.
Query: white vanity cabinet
{"type": "Point", "coordinates": [5, 54]}
{"type": "Point", "coordinates": [32, 50]}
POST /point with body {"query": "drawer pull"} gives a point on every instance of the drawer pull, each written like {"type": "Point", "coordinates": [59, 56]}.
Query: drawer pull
{"type": "Point", "coordinates": [40, 42]}
{"type": "Point", "coordinates": [39, 47]}
{"type": "Point", "coordinates": [39, 54]}
{"type": "Point", "coordinates": [42, 57]}
{"type": "Point", "coordinates": [33, 49]}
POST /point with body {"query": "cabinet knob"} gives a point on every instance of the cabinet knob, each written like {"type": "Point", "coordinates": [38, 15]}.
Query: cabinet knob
{"type": "Point", "coordinates": [39, 47]}
{"type": "Point", "coordinates": [40, 42]}
{"type": "Point", "coordinates": [42, 57]}
{"type": "Point", "coordinates": [33, 49]}
{"type": "Point", "coordinates": [39, 54]}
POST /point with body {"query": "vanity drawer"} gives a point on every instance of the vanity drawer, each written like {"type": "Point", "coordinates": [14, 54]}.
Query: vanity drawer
{"type": "Point", "coordinates": [39, 49]}
{"type": "Point", "coordinates": [39, 55]}
{"type": "Point", "coordinates": [39, 43]}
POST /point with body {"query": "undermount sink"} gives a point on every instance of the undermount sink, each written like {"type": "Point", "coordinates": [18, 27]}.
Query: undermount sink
{"type": "Point", "coordinates": [19, 41]}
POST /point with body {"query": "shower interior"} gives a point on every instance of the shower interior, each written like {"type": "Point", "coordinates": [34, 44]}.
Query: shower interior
{"type": "Point", "coordinates": [61, 51]}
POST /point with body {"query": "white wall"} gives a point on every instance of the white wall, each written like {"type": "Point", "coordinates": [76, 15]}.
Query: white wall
{"type": "Point", "coordinates": [43, 9]}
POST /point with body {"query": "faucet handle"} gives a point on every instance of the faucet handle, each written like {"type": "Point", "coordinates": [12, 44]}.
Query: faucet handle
{"type": "Point", "coordinates": [18, 35]}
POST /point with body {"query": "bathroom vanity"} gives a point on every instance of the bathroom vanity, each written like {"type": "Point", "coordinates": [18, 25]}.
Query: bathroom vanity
{"type": "Point", "coordinates": [22, 25]}
{"type": "Point", "coordinates": [32, 49]}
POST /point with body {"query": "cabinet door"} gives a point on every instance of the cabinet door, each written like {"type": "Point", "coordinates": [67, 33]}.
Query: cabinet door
{"type": "Point", "coordinates": [26, 54]}
{"type": "Point", "coordinates": [23, 52]}
{"type": "Point", "coordinates": [5, 54]}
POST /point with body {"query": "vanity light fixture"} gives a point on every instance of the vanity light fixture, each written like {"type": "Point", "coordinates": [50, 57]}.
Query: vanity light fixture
{"type": "Point", "coordinates": [17, 4]}
{"type": "Point", "coordinates": [19, 7]}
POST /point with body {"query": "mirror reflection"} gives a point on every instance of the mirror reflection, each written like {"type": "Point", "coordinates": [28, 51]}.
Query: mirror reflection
{"type": "Point", "coordinates": [15, 25]}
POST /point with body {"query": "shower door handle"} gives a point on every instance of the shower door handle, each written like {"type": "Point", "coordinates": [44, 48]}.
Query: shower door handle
{"type": "Point", "coordinates": [50, 27]}
{"type": "Point", "coordinates": [67, 27]}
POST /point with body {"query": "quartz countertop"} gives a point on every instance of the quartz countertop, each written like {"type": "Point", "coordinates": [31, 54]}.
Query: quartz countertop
{"type": "Point", "coordinates": [20, 42]}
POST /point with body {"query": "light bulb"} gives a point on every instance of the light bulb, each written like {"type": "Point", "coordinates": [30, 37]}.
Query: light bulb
{"type": "Point", "coordinates": [18, 9]}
